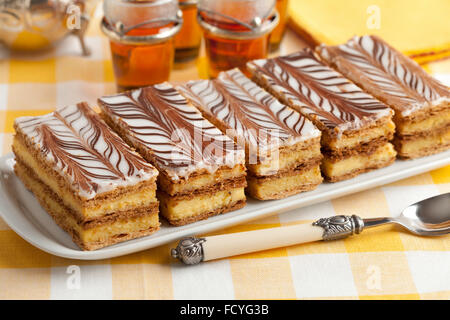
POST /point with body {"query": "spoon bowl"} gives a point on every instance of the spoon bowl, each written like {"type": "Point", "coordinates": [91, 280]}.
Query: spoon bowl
{"type": "Point", "coordinates": [429, 217]}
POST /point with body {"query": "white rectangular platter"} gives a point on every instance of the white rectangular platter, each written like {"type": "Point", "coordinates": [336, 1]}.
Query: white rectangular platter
{"type": "Point", "coordinates": [22, 212]}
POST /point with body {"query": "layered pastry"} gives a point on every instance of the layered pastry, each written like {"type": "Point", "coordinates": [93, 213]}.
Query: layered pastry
{"type": "Point", "coordinates": [202, 171]}
{"type": "Point", "coordinates": [282, 146]}
{"type": "Point", "coordinates": [356, 128]}
{"type": "Point", "coordinates": [421, 103]}
{"type": "Point", "coordinates": [88, 179]}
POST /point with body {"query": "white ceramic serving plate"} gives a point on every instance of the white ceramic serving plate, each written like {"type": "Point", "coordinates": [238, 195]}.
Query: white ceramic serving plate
{"type": "Point", "coordinates": [22, 212]}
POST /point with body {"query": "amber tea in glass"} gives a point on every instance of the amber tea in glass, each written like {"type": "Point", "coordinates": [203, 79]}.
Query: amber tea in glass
{"type": "Point", "coordinates": [188, 40]}
{"type": "Point", "coordinates": [235, 32]}
{"type": "Point", "coordinates": [142, 43]}
{"type": "Point", "coordinates": [277, 34]}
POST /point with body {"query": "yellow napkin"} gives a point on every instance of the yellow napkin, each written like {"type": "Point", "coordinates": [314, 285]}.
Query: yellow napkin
{"type": "Point", "coordinates": [420, 29]}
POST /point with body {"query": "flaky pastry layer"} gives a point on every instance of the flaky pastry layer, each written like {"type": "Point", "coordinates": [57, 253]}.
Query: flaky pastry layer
{"type": "Point", "coordinates": [98, 236]}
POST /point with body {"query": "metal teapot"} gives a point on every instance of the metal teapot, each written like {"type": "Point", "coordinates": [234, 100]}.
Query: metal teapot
{"type": "Point", "coordinates": [29, 25]}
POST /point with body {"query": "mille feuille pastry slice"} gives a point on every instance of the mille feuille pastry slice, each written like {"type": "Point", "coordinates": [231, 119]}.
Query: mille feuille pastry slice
{"type": "Point", "coordinates": [86, 177]}
{"type": "Point", "coordinates": [282, 147]}
{"type": "Point", "coordinates": [421, 103]}
{"type": "Point", "coordinates": [202, 171]}
{"type": "Point", "coordinates": [356, 128]}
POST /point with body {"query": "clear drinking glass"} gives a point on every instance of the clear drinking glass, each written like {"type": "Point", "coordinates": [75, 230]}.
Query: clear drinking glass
{"type": "Point", "coordinates": [188, 40]}
{"type": "Point", "coordinates": [277, 34]}
{"type": "Point", "coordinates": [141, 37]}
{"type": "Point", "coordinates": [235, 31]}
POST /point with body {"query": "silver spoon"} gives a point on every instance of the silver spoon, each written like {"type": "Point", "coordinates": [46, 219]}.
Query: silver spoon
{"type": "Point", "coordinates": [429, 217]}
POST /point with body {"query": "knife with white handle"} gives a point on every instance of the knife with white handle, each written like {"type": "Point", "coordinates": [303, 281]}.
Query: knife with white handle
{"type": "Point", "coordinates": [194, 250]}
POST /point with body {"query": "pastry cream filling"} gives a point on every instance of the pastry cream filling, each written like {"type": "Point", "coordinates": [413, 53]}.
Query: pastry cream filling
{"type": "Point", "coordinates": [103, 233]}
{"type": "Point", "coordinates": [267, 189]}
{"type": "Point", "coordinates": [289, 158]}
{"type": "Point", "coordinates": [383, 154]}
{"type": "Point", "coordinates": [200, 181]}
{"type": "Point", "coordinates": [432, 122]}
{"type": "Point", "coordinates": [417, 146]}
{"type": "Point", "coordinates": [174, 209]}
{"type": "Point", "coordinates": [127, 201]}
{"type": "Point", "coordinates": [95, 234]}
{"type": "Point", "coordinates": [363, 136]}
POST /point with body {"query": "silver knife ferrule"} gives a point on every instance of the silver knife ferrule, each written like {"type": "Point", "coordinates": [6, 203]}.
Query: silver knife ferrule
{"type": "Point", "coordinates": [339, 227]}
{"type": "Point", "coordinates": [189, 250]}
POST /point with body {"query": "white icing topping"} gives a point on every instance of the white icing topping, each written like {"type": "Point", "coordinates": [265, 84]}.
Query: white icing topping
{"type": "Point", "coordinates": [89, 155]}
{"type": "Point", "coordinates": [250, 114]}
{"type": "Point", "coordinates": [387, 74]}
{"type": "Point", "coordinates": [319, 92]}
{"type": "Point", "coordinates": [179, 139]}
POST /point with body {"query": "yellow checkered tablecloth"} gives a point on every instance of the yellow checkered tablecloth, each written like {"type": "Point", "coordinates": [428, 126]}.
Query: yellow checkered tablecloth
{"type": "Point", "coordinates": [381, 263]}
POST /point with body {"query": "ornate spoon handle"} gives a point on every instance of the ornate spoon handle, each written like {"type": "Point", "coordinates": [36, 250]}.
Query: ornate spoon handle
{"type": "Point", "coordinates": [195, 250]}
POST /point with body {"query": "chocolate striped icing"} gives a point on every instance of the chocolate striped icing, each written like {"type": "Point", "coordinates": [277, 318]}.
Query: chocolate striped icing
{"type": "Point", "coordinates": [319, 92]}
{"type": "Point", "coordinates": [84, 150]}
{"type": "Point", "coordinates": [386, 73]}
{"type": "Point", "coordinates": [179, 139]}
{"type": "Point", "coordinates": [250, 114]}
